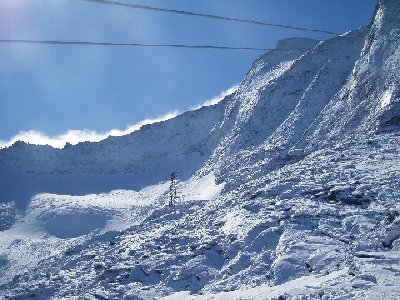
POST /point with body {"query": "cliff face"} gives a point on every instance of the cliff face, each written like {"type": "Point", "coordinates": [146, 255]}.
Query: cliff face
{"type": "Point", "coordinates": [368, 102]}
{"type": "Point", "coordinates": [382, 55]}
{"type": "Point", "coordinates": [287, 108]}
{"type": "Point", "coordinates": [344, 89]}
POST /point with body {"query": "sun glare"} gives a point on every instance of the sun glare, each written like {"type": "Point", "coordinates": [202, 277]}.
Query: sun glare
{"type": "Point", "coordinates": [11, 13]}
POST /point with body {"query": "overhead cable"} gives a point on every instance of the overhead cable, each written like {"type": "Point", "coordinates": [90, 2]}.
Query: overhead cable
{"type": "Point", "coordinates": [88, 43]}
{"type": "Point", "coordinates": [190, 13]}
{"type": "Point", "coordinates": [214, 47]}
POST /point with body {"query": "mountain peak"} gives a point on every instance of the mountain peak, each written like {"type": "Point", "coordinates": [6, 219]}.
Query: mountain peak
{"type": "Point", "coordinates": [386, 18]}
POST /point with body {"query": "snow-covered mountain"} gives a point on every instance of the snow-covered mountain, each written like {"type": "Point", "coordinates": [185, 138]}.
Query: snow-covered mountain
{"type": "Point", "coordinates": [289, 189]}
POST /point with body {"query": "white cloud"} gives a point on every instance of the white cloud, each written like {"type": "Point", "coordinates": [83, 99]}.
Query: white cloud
{"type": "Point", "coordinates": [76, 136]}
{"type": "Point", "coordinates": [218, 98]}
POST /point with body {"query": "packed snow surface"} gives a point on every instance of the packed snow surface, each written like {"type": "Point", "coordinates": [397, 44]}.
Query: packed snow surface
{"type": "Point", "coordinates": [287, 189]}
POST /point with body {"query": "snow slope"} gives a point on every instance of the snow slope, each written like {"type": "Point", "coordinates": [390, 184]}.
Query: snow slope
{"type": "Point", "coordinates": [289, 189]}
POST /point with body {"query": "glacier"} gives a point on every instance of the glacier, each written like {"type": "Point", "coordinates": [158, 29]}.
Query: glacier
{"type": "Point", "coordinates": [289, 189]}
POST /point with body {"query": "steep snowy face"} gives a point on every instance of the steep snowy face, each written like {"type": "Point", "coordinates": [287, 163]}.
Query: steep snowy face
{"type": "Point", "coordinates": [275, 107]}
{"type": "Point", "coordinates": [241, 109]}
{"type": "Point", "coordinates": [382, 48]}
{"type": "Point", "coordinates": [345, 88]}
{"type": "Point", "coordinates": [266, 70]}
{"type": "Point", "coordinates": [369, 101]}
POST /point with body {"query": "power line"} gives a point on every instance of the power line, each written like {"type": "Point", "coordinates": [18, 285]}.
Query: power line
{"type": "Point", "coordinates": [190, 13]}
{"type": "Point", "coordinates": [88, 43]}
{"type": "Point", "coordinates": [213, 47]}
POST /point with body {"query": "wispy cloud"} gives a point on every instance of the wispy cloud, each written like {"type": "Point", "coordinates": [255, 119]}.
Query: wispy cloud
{"type": "Point", "coordinates": [76, 136]}
{"type": "Point", "coordinates": [216, 99]}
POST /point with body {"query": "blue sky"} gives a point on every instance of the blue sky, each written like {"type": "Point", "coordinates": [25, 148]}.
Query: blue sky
{"type": "Point", "coordinates": [54, 89]}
